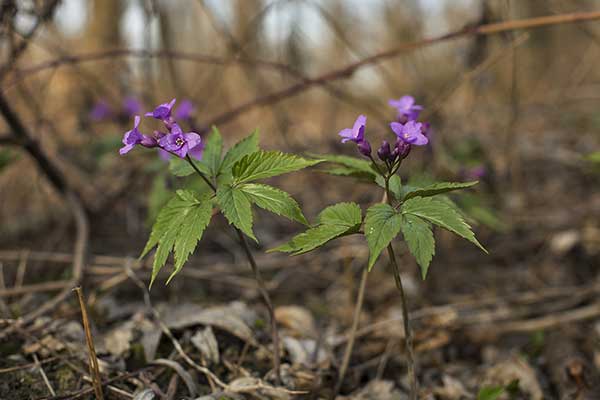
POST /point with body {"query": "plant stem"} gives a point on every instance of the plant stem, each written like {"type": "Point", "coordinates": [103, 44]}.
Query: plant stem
{"type": "Point", "coordinates": [353, 329]}
{"type": "Point", "coordinates": [408, 339]}
{"type": "Point", "coordinates": [265, 295]}
{"type": "Point", "coordinates": [208, 182]}
{"type": "Point", "coordinates": [262, 288]}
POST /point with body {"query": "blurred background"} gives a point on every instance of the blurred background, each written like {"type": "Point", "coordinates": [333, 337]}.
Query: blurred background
{"type": "Point", "coordinates": [516, 110]}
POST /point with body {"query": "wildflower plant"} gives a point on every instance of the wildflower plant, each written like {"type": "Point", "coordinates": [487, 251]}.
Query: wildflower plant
{"type": "Point", "coordinates": [409, 212]}
{"type": "Point", "coordinates": [233, 186]}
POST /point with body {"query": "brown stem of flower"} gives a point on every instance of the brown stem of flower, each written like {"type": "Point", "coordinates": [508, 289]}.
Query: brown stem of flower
{"type": "Point", "coordinates": [353, 329]}
{"type": "Point", "coordinates": [265, 295]}
{"type": "Point", "coordinates": [408, 338]}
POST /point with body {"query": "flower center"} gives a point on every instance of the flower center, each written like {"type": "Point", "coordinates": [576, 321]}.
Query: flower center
{"type": "Point", "coordinates": [406, 135]}
{"type": "Point", "coordinates": [179, 142]}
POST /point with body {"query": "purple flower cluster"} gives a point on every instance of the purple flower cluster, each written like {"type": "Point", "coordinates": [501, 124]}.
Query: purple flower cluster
{"type": "Point", "coordinates": [408, 132]}
{"type": "Point", "coordinates": [174, 141]}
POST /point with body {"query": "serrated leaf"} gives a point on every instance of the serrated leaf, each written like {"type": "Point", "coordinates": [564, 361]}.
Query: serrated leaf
{"type": "Point", "coordinates": [441, 214]}
{"type": "Point", "coordinates": [382, 224]}
{"type": "Point", "coordinates": [347, 171]}
{"type": "Point", "coordinates": [419, 238]}
{"type": "Point", "coordinates": [237, 208]}
{"type": "Point", "coordinates": [344, 214]}
{"type": "Point", "coordinates": [438, 188]}
{"type": "Point", "coordinates": [265, 164]}
{"type": "Point", "coordinates": [179, 225]}
{"type": "Point", "coordinates": [395, 185]}
{"type": "Point", "coordinates": [335, 221]}
{"type": "Point", "coordinates": [191, 231]}
{"type": "Point", "coordinates": [212, 152]}
{"type": "Point", "coordinates": [354, 163]}
{"type": "Point", "coordinates": [247, 145]}
{"type": "Point", "coordinates": [273, 200]}
{"type": "Point", "coordinates": [311, 239]}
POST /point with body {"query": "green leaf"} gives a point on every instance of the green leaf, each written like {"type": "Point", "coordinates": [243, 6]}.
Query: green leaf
{"type": "Point", "coordinates": [179, 225]}
{"type": "Point", "coordinates": [237, 208]}
{"type": "Point", "coordinates": [442, 214]}
{"type": "Point", "coordinates": [382, 224]}
{"type": "Point", "coordinates": [265, 164]}
{"type": "Point", "coordinates": [438, 188]}
{"type": "Point", "coordinates": [181, 167]}
{"type": "Point", "coordinates": [347, 171]}
{"type": "Point", "coordinates": [311, 239]}
{"type": "Point", "coordinates": [343, 214]}
{"type": "Point", "coordinates": [395, 185]}
{"type": "Point", "coordinates": [335, 221]}
{"type": "Point", "coordinates": [352, 163]}
{"type": "Point", "coordinates": [419, 238]}
{"type": "Point", "coordinates": [490, 393]}
{"type": "Point", "coordinates": [248, 145]}
{"type": "Point", "coordinates": [274, 200]}
{"type": "Point", "coordinates": [212, 152]}
{"type": "Point", "coordinates": [191, 231]}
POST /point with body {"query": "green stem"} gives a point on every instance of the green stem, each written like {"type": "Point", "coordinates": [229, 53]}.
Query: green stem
{"type": "Point", "coordinates": [408, 338]}
{"type": "Point", "coordinates": [262, 287]}
{"type": "Point", "coordinates": [208, 182]}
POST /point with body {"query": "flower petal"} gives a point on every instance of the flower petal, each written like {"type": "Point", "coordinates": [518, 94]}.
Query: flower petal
{"type": "Point", "coordinates": [192, 139]}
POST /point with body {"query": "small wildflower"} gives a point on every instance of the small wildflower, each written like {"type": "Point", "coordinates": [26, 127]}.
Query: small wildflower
{"type": "Point", "coordinates": [384, 152]}
{"type": "Point", "coordinates": [185, 110]}
{"type": "Point", "coordinates": [406, 108]}
{"type": "Point", "coordinates": [411, 132]}
{"type": "Point", "coordinates": [180, 143]}
{"type": "Point", "coordinates": [131, 106]}
{"type": "Point", "coordinates": [402, 149]}
{"type": "Point", "coordinates": [101, 111]}
{"type": "Point", "coordinates": [357, 133]}
{"type": "Point", "coordinates": [364, 148]}
{"type": "Point", "coordinates": [135, 137]}
{"type": "Point", "coordinates": [162, 112]}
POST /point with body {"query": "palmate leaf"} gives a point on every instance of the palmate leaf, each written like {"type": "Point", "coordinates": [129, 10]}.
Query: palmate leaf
{"type": "Point", "coordinates": [357, 165]}
{"type": "Point", "coordinates": [247, 145]}
{"type": "Point", "coordinates": [213, 150]}
{"type": "Point", "coordinates": [265, 164]}
{"type": "Point", "coordinates": [237, 208]}
{"type": "Point", "coordinates": [441, 214]}
{"type": "Point", "coordinates": [395, 185]}
{"type": "Point", "coordinates": [273, 200]}
{"type": "Point", "coordinates": [438, 188]}
{"type": "Point", "coordinates": [382, 224]}
{"type": "Point", "coordinates": [337, 220]}
{"type": "Point", "coordinates": [180, 167]}
{"type": "Point", "coordinates": [179, 227]}
{"type": "Point", "coordinates": [419, 238]}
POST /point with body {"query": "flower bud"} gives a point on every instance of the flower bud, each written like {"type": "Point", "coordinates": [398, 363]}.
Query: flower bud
{"type": "Point", "coordinates": [402, 148]}
{"type": "Point", "coordinates": [364, 148]}
{"type": "Point", "coordinates": [384, 151]}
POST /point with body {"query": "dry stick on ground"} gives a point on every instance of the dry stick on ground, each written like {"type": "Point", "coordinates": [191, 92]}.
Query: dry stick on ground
{"type": "Point", "coordinates": [93, 360]}
{"type": "Point", "coordinates": [56, 178]}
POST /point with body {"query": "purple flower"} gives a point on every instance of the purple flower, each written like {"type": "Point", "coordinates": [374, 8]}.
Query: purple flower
{"type": "Point", "coordinates": [385, 151]}
{"type": "Point", "coordinates": [184, 110]}
{"type": "Point", "coordinates": [134, 137]}
{"type": "Point", "coordinates": [411, 132]}
{"type": "Point", "coordinates": [402, 149]}
{"type": "Point", "coordinates": [163, 111]}
{"type": "Point", "coordinates": [101, 111]}
{"type": "Point", "coordinates": [357, 133]}
{"type": "Point", "coordinates": [131, 106]}
{"type": "Point", "coordinates": [364, 148]}
{"type": "Point", "coordinates": [406, 107]}
{"type": "Point", "coordinates": [180, 143]}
